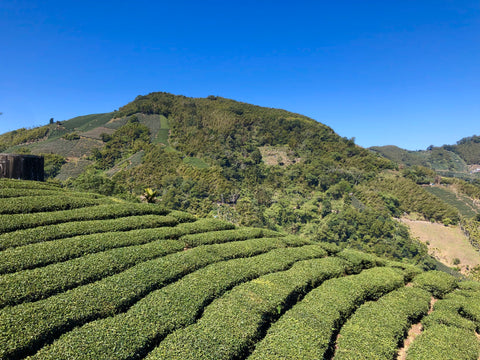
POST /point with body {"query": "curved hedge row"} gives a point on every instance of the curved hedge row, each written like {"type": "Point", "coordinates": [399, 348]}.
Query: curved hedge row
{"type": "Point", "coordinates": [436, 282]}
{"type": "Point", "coordinates": [446, 343]}
{"type": "Point", "coordinates": [15, 192]}
{"type": "Point", "coordinates": [26, 327]}
{"type": "Point", "coordinates": [230, 326]}
{"type": "Point", "coordinates": [450, 328]}
{"type": "Point", "coordinates": [99, 212]}
{"type": "Point", "coordinates": [128, 335]}
{"type": "Point", "coordinates": [307, 331]}
{"type": "Point", "coordinates": [26, 184]}
{"type": "Point", "coordinates": [192, 240]}
{"type": "Point", "coordinates": [378, 327]}
{"type": "Point", "coordinates": [32, 204]}
{"type": "Point", "coordinates": [48, 252]}
{"type": "Point", "coordinates": [75, 228]}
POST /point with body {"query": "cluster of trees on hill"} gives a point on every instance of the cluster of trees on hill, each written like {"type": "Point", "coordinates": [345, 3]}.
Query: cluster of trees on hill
{"type": "Point", "coordinates": [468, 148]}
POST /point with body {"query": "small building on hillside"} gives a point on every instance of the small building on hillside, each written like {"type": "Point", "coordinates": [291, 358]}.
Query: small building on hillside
{"type": "Point", "coordinates": [23, 167]}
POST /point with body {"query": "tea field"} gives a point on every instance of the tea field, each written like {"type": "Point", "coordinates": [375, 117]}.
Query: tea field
{"type": "Point", "coordinates": [84, 276]}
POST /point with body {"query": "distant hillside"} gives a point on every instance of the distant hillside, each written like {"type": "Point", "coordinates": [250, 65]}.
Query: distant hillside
{"type": "Point", "coordinates": [436, 158]}
{"type": "Point", "coordinates": [461, 160]}
{"type": "Point", "coordinates": [467, 148]}
{"type": "Point", "coordinates": [250, 165]}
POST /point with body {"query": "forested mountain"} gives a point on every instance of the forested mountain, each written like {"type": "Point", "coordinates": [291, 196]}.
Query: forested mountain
{"type": "Point", "coordinates": [246, 164]}
{"type": "Point", "coordinates": [459, 160]}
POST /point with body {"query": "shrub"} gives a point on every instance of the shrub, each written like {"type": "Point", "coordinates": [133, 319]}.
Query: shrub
{"type": "Point", "coordinates": [436, 282]}
{"type": "Point", "coordinates": [377, 327]}
{"type": "Point", "coordinates": [446, 343]}
{"type": "Point", "coordinates": [26, 327]}
{"type": "Point", "coordinates": [306, 330]}
{"type": "Point", "coordinates": [174, 306]}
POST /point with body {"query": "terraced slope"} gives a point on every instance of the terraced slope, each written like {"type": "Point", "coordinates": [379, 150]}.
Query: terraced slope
{"type": "Point", "coordinates": [88, 277]}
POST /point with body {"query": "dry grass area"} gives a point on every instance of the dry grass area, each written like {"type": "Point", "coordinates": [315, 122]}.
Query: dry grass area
{"type": "Point", "coordinates": [445, 243]}
{"type": "Point", "coordinates": [278, 155]}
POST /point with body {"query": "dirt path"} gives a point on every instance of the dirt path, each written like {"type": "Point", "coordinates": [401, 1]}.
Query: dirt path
{"type": "Point", "coordinates": [414, 331]}
{"type": "Point", "coordinates": [445, 243]}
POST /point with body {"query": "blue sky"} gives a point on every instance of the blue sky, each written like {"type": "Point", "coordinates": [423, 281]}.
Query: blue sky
{"type": "Point", "coordinates": [402, 72]}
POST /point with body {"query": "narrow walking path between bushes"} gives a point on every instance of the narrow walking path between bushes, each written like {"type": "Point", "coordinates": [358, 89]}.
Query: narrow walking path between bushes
{"type": "Point", "coordinates": [414, 331]}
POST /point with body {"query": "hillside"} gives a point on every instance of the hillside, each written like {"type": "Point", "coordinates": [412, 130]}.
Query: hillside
{"type": "Point", "coordinates": [85, 276]}
{"type": "Point", "coordinates": [246, 164]}
{"type": "Point", "coordinates": [459, 160]}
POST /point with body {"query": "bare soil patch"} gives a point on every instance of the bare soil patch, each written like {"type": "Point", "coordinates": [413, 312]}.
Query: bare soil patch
{"type": "Point", "coordinates": [445, 243]}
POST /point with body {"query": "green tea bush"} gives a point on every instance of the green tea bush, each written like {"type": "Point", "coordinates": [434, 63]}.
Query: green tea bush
{"type": "Point", "coordinates": [32, 204]}
{"type": "Point", "coordinates": [227, 235]}
{"type": "Point", "coordinates": [100, 212]}
{"type": "Point", "coordinates": [14, 192]}
{"type": "Point", "coordinates": [306, 330]}
{"type": "Point", "coordinates": [127, 335]}
{"type": "Point", "coordinates": [446, 343]}
{"type": "Point", "coordinates": [26, 184]}
{"type": "Point", "coordinates": [232, 324]}
{"type": "Point", "coordinates": [75, 228]}
{"type": "Point", "coordinates": [359, 260]}
{"type": "Point", "coordinates": [377, 328]}
{"type": "Point", "coordinates": [26, 327]}
{"type": "Point", "coordinates": [437, 283]}
{"type": "Point", "coordinates": [409, 270]}
{"type": "Point", "coordinates": [39, 283]}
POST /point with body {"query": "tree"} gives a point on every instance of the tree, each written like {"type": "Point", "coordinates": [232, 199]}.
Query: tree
{"type": "Point", "coordinates": [150, 195]}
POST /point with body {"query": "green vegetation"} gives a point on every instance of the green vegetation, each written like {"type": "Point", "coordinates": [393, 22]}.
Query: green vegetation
{"type": "Point", "coordinates": [465, 207]}
{"type": "Point", "coordinates": [398, 194]}
{"type": "Point", "coordinates": [313, 323]}
{"type": "Point", "coordinates": [245, 164]}
{"type": "Point", "coordinates": [378, 327]}
{"type": "Point", "coordinates": [119, 280]}
{"type": "Point", "coordinates": [99, 212]}
{"type": "Point", "coordinates": [436, 282]}
{"type": "Point", "coordinates": [445, 342]}
{"type": "Point", "coordinates": [26, 204]}
{"type": "Point", "coordinates": [171, 307]}
{"type": "Point", "coordinates": [468, 148]}
{"type": "Point", "coordinates": [450, 328]}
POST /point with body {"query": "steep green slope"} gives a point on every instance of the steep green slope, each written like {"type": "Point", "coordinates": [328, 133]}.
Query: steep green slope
{"type": "Point", "coordinates": [437, 158]}
{"type": "Point", "coordinates": [467, 148]}
{"type": "Point", "coordinates": [115, 280]}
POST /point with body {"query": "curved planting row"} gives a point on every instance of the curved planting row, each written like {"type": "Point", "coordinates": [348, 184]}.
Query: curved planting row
{"type": "Point", "coordinates": [313, 323]}
{"type": "Point", "coordinates": [15, 192]}
{"type": "Point", "coordinates": [32, 204]}
{"type": "Point", "coordinates": [177, 305]}
{"type": "Point", "coordinates": [6, 183]}
{"type": "Point", "coordinates": [74, 228]}
{"type": "Point", "coordinates": [450, 330]}
{"type": "Point", "coordinates": [45, 253]}
{"type": "Point", "coordinates": [25, 327]}
{"type": "Point", "coordinates": [84, 278]}
{"type": "Point", "coordinates": [377, 328]}
{"type": "Point", "coordinates": [99, 212]}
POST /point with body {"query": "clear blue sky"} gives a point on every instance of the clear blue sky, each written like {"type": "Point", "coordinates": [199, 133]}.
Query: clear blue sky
{"type": "Point", "coordinates": [402, 72]}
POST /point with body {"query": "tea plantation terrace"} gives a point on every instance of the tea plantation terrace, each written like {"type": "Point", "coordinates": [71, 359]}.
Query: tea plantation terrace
{"type": "Point", "coordinates": [84, 276]}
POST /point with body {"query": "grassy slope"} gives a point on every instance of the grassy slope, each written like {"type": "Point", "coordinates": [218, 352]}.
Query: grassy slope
{"type": "Point", "coordinates": [445, 243]}
{"type": "Point", "coordinates": [465, 205]}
